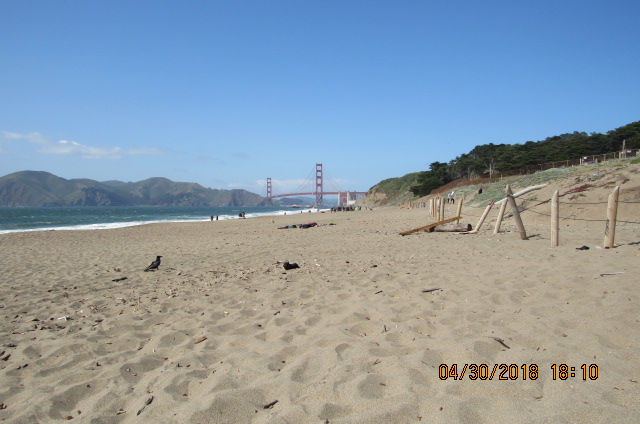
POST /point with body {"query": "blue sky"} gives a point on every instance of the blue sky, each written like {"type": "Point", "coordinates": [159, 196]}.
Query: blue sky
{"type": "Point", "coordinates": [228, 93]}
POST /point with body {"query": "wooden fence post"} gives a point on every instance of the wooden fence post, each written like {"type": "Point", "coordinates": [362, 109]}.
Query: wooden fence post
{"type": "Point", "coordinates": [612, 212]}
{"type": "Point", "coordinates": [459, 209]}
{"type": "Point", "coordinates": [516, 216]}
{"type": "Point", "coordinates": [554, 218]}
{"type": "Point", "coordinates": [503, 208]}
{"type": "Point", "coordinates": [441, 216]}
{"type": "Point", "coordinates": [483, 217]}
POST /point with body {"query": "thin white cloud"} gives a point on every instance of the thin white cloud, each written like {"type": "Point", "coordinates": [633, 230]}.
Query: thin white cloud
{"type": "Point", "coordinates": [210, 159]}
{"type": "Point", "coordinates": [144, 151]}
{"type": "Point", "coordinates": [68, 147]}
{"type": "Point", "coordinates": [35, 137]}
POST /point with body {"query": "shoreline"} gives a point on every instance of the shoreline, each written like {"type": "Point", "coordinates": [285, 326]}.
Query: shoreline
{"type": "Point", "coordinates": [113, 225]}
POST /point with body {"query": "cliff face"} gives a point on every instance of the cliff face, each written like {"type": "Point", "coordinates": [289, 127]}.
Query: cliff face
{"type": "Point", "coordinates": [392, 191]}
{"type": "Point", "coordinates": [36, 188]}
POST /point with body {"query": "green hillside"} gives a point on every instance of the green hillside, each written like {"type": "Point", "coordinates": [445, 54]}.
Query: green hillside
{"type": "Point", "coordinates": [500, 160]}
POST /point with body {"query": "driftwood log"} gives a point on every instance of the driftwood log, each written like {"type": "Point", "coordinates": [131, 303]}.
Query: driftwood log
{"type": "Point", "coordinates": [427, 227]}
{"type": "Point", "coordinates": [502, 209]}
{"type": "Point", "coordinates": [451, 228]}
{"type": "Point", "coordinates": [521, 192]}
{"type": "Point", "coordinates": [516, 215]}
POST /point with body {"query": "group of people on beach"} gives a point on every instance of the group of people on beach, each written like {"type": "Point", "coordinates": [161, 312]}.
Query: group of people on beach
{"type": "Point", "coordinates": [346, 208]}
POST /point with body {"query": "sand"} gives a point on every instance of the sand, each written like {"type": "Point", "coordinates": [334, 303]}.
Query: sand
{"type": "Point", "coordinates": [221, 330]}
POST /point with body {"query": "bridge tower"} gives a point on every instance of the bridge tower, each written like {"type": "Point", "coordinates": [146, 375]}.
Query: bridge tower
{"type": "Point", "coordinates": [319, 189]}
{"type": "Point", "coordinates": [269, 191]}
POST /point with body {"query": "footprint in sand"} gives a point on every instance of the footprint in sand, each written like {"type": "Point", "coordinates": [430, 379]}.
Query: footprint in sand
{"type": "Point", "coordinates": [488, 350]}
{"type": "Point", "coordinates": [340, 349]}
{"type": "Point", "coordinates": [332, 411]}
{"type": "Point", "coordinates": [178, 388]}
{"type": "Point", "coordinates": [66, 401]}
{"type": "Point", "coordinates": [312, 321]}
{"type": "Point", "coordinates": [132, 372]}
{"type": "Point", "coordinates": [173, 339]}
{"type": "Point", "coordinates": [372, 387]}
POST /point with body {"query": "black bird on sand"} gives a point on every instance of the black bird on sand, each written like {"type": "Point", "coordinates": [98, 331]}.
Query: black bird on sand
{"type": "Point", "coordinates": [154, 265]}
{"type": "Point", "coordinates": [289, 266]}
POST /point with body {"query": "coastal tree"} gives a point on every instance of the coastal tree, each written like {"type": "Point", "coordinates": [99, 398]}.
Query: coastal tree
{"type": "Point", "coordinates": [484, 160]}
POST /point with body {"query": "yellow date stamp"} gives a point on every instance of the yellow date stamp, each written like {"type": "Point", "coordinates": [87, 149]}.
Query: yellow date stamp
{"type": "Point", "coordinates": [516, 372]}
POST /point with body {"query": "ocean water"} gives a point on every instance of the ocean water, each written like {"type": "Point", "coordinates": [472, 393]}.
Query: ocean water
{"type": "Point", "coordinates": [104, 217]}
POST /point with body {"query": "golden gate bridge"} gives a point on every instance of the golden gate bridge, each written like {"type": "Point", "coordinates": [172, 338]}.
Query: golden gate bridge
{"type": "Point", "coordinates": [345, 198]}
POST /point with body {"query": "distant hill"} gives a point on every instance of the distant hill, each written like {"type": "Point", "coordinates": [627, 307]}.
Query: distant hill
{"type": "Point", "coordinates": [38, 188]}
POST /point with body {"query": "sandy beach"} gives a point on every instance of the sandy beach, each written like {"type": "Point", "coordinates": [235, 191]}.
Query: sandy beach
{"type": "Point", "coordinates": [221, 333]}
